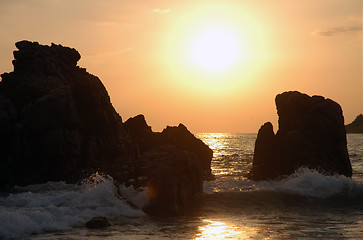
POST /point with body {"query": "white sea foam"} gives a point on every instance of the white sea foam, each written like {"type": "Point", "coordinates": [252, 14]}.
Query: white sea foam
{"type": "Point", "coordinates": [138, 197]}
{"type": "Point", "coordinates": [60, 206]}
{"type": "Point", "coordinates": [304, 182]}
{"type": "Point", "coordinates": [307, 182]}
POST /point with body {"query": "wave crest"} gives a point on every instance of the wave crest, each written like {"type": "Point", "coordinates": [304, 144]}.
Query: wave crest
{"type": "Point", "coordinates": [59, 206]}
{"type": "Point", "coordinates": [304, 182]}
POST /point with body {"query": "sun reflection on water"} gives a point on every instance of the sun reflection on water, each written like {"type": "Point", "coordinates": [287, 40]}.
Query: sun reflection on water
{"type": "Point", "coordinates": [222, 230]}
{"type": "Point", "coordinates": [232, 153]}
{"type": "Point", "coordinates": [216, 141]}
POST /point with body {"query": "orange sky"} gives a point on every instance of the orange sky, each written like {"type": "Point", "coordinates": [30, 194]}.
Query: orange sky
{"type": "Point", "coordinates": [141, 51]}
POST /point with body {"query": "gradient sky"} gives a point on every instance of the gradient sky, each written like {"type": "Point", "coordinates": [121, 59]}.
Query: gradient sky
{"type": "Point", "coordinates": [140, 50]}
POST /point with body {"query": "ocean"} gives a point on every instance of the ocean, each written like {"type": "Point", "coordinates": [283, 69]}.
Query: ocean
{"type": "Point", "coordinates": [305, 205]}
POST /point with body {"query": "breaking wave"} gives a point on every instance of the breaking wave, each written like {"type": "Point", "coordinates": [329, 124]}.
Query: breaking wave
{"type": "Point", "coordinates": [57, 206]}
{"type": "Point", "coordinates": [304, 182]}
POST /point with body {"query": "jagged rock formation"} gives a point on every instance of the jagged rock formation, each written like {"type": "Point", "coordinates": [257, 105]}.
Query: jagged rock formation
{"type": "Point", "coordinates": [356, 126]}
{"type": "Point", "coordinates": [167, 165]}
{"type": "Point", "coordinates": [311, 134]}
{"type": "Point", "coordinates": [56, 119]}
{"type": "Point", "coordinates": [57, 124]}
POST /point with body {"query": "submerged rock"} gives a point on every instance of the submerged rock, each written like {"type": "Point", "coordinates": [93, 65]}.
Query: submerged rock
{"type": "Point", "coordinates": [311, 134]}
{"type": "Point", "coordinates": [57, 123]}
{"type": "Point", "coordinates": [98, 222]}
{"type": "Point", "coordinates": [356, 126]}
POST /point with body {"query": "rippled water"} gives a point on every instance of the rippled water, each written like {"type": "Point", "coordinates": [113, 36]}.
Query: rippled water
{"type": "Point", "coordinates": [306, 205]}
{"type": "Point", "coordinates": [232, 153]}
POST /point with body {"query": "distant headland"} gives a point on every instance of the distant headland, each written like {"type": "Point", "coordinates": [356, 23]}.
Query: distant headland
{"type": "Point", "coordinates": [356, 126]}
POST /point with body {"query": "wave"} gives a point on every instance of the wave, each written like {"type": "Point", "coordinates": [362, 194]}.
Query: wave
{"type": "Point", "coordinates": [304, 192]}
{"type": "Point", "coordinates": [57, 206]}
{"type": "Point", "coordinates": [304, 182]}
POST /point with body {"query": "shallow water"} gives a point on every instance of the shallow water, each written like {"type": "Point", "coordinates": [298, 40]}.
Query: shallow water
{"type": "Point", "coordinates": [306, 205]}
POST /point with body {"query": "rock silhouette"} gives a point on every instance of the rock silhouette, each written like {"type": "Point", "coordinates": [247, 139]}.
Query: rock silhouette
{"type": "Point", "coordinates": [57, 123]}
{"type": "Point", "coordinates": [356, 126]}
{"type": "Point", "coordinates": [56, 119]}
{"type": "Point", "coordinates": [172, 164]}
{"type": "Point", "coordinates": [311, 134]}
{"type": "Point", "coordinates": [97, 223]}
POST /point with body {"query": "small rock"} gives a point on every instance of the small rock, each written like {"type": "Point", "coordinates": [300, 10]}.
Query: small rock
{"type": "Point", "coordinates": [97, 222]}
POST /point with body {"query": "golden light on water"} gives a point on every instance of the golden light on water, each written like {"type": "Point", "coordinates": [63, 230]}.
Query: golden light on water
{"type": "Point", "coordinates": [216, 141]}
{"type": "Point", "coordinates": [222, 230]}
{"type": "Point", "coordinates": [232, 153]}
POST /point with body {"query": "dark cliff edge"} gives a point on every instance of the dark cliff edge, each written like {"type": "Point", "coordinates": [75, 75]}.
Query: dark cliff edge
{"type": "Point", "coordinates": [57, 123]}
{"type": "Point", "coordinates": [311, 134]}
{"type": "Point", "coordinates": [356, 126]}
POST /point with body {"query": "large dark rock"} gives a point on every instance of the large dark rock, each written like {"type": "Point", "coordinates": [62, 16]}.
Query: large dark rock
{"type": "Point", "coordinates": [311, 134]}
{"type": "Point", "coordinates": [171, 164]}
{"type": "Point", "coordinates": [57, 124]}
{"type": "Point", "coordinates": [56, 119]}
{"type": "Point", "coordinates": [174, 183]}
{"type": "Point", "coordinates": [178, 138]}
{"type": "Point", "coordinates": [185, 140]}
{"type": "Point", "coordinates": [356, 126]}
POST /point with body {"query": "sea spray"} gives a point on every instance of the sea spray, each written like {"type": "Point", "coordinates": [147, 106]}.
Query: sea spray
{"type": "Point", "coordinates": [310, 183]}
{"type": "Point", "coordinates": [304, 182]}
{"type": "Point", "coordinates": [137, 197]}
{"type": "Point", "coordinates": [58, 206]}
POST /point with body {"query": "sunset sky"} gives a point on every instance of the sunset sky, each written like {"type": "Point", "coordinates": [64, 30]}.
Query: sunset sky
{"type": "Point", "coordinates": [215, 66]}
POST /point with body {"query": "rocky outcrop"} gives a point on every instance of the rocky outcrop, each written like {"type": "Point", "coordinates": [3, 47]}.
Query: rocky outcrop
{"type": "Point", "coordinates": [186, 141]}
{"type": "Point", "coordinates": [56, 119]}
{"type": "Point", "coordinates": [356, 126]}
{"type": "Point", "coordinates": [57, 124]}
{"type": "Point", "coordinates": [311, 134]}
{"type": "Point", "coordinates": [171, 164]}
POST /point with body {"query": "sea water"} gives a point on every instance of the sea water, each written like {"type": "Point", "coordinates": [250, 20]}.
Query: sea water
{"type": "Point", "coordinates": [305, 205]}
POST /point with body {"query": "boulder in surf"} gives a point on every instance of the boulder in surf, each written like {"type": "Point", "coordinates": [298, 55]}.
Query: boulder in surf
{"type": "Point", "coordinates": [98, 222]}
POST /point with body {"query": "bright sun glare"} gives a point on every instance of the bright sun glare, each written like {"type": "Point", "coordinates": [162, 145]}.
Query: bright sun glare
{"type": "Point", "coordinates": [215, 49]}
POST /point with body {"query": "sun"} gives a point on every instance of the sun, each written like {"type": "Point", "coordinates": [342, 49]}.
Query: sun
{"type": "Point", "coordinates": [215, 49]}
